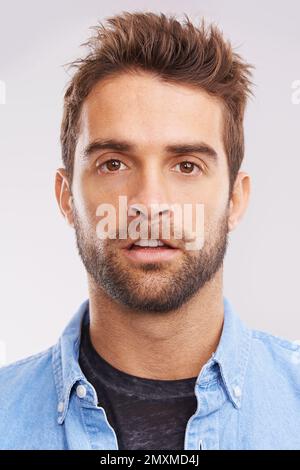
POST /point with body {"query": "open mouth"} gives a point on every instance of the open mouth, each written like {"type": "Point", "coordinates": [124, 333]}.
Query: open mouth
{"type": "Point", "coordinates": [151, 251]}
{"type": "Point", "coordinates": [158, 247]}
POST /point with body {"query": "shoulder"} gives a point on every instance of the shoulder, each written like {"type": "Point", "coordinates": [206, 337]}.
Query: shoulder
{"type": "Point", "coordinates": [28, 404]}
{"type": "Point", "coordinates": [276, 359]}
{"type": "Point", "coordinates": [27, 378]}
{"type": "Point", "coordinates": [27, 381]}
{"type": "Point", "coordinates": [24, 369]}
{"type": "Point", "coordinates": [278, 345]}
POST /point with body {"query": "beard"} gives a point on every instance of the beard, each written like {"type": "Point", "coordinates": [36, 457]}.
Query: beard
{"type": "Point", "coordinates": [151, 287]}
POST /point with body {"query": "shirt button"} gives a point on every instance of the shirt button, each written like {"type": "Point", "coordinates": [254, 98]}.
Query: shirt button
{"type": "Point", "coordinates": [81, 391]}
{"type": "Point", "coordinates": [237, 391]}
{"type": "Point", "coordinates": [60, 407]}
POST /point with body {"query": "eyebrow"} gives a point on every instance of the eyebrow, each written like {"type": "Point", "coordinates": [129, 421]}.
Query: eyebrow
{"type": "Point", "coordinates": [125, 146]}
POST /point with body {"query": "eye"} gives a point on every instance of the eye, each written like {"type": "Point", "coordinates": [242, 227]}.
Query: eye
{"type": "Point", "coordinates": [110, 166]}
{"type": "Point", "coordinates": [188, 167]}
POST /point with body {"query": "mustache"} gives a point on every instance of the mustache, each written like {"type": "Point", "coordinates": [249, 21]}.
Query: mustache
{"type": "Point", "coordinates": [165, 222]}
{"type": "Point", "coordinates": [178, 234]}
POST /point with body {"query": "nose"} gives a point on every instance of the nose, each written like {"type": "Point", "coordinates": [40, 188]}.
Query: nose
{"type": "Point", "coordinates": [138, 209]}
{"type": "Point", "coordinates": [151, 196]}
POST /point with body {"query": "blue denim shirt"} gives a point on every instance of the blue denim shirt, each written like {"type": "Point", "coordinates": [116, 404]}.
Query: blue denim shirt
{"type": "Point", "coordinates": [248, 395]}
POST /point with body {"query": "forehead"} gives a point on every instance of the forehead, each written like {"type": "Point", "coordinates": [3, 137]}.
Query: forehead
{"type": "Point", "coordinates": [150, 112]}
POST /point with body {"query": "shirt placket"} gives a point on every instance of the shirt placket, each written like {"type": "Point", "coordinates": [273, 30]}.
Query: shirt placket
{"type": "Point", "coordinates": [86, 424]}
{"type": "Point", "coordinates": [202, 430]}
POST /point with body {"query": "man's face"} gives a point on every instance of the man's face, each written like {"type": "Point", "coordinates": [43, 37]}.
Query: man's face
{"type": "Point", "coordinates": [150, 115]}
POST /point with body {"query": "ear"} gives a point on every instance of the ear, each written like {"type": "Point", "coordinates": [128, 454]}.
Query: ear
{"type": "Point", "coordinates": [239, 199]}
{"type": "Point", "coordinates": [64, 195]}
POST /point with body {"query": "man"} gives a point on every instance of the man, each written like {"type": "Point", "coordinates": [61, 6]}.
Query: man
{"type": "Point", "coordinates": [156, 357]}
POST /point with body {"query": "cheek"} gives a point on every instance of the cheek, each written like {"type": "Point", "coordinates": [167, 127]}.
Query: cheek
{"type": "Point", "coordinates": [88, 197]}
{"type": "Point", "coordinates": [215, 211]}
{"type": "Point", "coordinates": [216, 199]}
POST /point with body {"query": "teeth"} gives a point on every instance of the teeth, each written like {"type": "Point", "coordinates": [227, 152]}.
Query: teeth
{"type": "Point", "coordinates": [147, 242]}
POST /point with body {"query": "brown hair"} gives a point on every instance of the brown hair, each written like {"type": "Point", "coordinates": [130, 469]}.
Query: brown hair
{"type": "Point", "coordinates": [171, 50]}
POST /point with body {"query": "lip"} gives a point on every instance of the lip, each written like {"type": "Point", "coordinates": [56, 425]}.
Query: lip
{"type": "Point", "coordinates": [150, 254]}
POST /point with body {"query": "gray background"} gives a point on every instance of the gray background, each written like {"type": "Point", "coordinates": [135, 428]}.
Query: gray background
{"type": "Point", "coordinates": [42, 279]}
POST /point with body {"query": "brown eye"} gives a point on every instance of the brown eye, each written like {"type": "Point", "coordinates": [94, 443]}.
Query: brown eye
{"type": "Point", "coordinates": [188, 167]}
{"type": "Point", "coordinates": [113, 165]}
{"type": "Point", "coordinates": [110, 166]}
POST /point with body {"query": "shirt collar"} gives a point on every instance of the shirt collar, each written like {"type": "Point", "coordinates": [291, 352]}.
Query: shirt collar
{"type": "Point", "coordinates": [65, 355]}
{"type": "Point", "coordinates": [231, 356]}
{"type": "Point", "coordinates": [232, 353]}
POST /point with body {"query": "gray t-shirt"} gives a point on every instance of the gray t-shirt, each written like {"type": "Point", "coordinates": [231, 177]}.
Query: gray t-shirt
{"type": "Point", "coordinates": [146, 414]}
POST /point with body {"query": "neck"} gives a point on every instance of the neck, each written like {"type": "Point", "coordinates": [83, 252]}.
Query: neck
{"type": "Point", "coordinates": [165, 346]}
